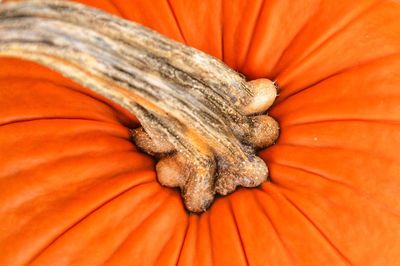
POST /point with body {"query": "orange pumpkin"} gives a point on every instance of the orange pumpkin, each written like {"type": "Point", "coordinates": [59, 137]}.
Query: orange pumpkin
{"type": "Point", "coordinates": [75, 190]}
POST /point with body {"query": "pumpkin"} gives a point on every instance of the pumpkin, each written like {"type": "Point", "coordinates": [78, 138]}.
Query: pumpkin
{"type": "Point", "coordinates": [76, 190]}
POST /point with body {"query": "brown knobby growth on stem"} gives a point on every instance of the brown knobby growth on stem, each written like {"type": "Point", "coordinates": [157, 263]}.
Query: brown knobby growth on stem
{"type": "Point", "coordinates": [198, 116]}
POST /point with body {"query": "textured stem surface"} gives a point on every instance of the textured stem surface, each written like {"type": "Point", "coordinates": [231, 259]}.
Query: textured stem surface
{"type": "Point", "coordinates": [201, 118]}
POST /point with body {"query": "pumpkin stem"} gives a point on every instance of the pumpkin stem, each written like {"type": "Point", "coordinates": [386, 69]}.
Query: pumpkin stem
{"type": "Point", "coordinates": [201, 118]}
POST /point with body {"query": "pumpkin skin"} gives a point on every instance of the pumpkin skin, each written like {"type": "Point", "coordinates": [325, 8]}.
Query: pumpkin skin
{"type": "Point", "coordinates": [75, 190]}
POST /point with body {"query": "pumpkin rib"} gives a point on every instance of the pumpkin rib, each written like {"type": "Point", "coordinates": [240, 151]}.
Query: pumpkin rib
{"type": "Point", "coordinates": [274, 30]}
{"type": "Point", "coordinates": [100, 127]}
{"type": "Point", "coordinates": [40, 119]}
{"type": "Point", "coordinates": [362, 118]}
{"type": "Point", "coordinates": [194, 252]}
{"type": "Point", "coordinates": [170, 254]}
{"type": "Point", "coordinates": [183, 242]}
{"type": "Point", "coordinates": [253, 31]}
{"type": "Point", "coordinates": [132, 120]}
{"type": "Point", "coordinates": [60, 81]}
{"type": "Point", "coordinates": [221, 15]}
{"type": "Point", "coordinates": [331, 148]}
{"type": "Point", "coordinates": [256, 231]}
{"type": "Point", "coordinates": [328, 37]}
{"type": "Point", "coordinates": [362, 194]}
{"type": "Point", "coordinates": [379, 122]}
{"type": "Point", "coordinates": [163, 252]}
{"type": "Point", "coordinates": [336, 148]}
{"type": "Point", "coordinates": [176, 21]}
{"type": "Point", "coordinates": [85, 216]}
{"type": "Point", "coordinates": [342, 12]}
{"type": "Point", "coordinates": [320, 148]}
{"type": "Point", "coordinates": [160, 258]}
{"type": "Point", "coordinates": [147, 218]}
{"type": "Point", "coordinates": [41, 219]}
{"type": "Point", "coordinates": [376, 29]}
{"type": "Point", "coordinates": [91, 239]}
{"type": "Point", "coordinates": [188, 247]}
{"type": "Point", "coordinates": [128, 120]}
{"type": "Point", "coordinates": [336, 182]}
{"type": "Point", "coordinates": [96, 126]}
{"type": "Point", "coordinates": [159, 19]}
{"type": "Point", "coordinates": [104, 139]}
{"type": "Point", "coordinates": [27, 188]}
{"type": "Point", "coordinates": [119, 255]}
{"type": "Point", "coordinates": [324, 134]}
{"type": "Point", "coordinates": [282, 53]}
{"type": "Point", "coordinates": [238, 231]}
{"type": "Point", "coordinates": [322, 251]}
{"type": "Point", "coordinates": [380, 190]}
{"type": "Point", "coordinates": [211, 240]}
{"type": "Point", "coordinates": [290, 104]}
{"type": "Point", "coordinates": [191, 245]}
{"type": "Point", "coordinates": [238, 31]}
{"type": "Point", "coordinates": [273, 226]}
{"type": "Point", "coordinates": [56, 162]}
{"type": "Point", "coordinates": [47, 89]}
{"type": "Point", "coordinates": [364, 219]}
{"type": "Point", "coordinates": [320, 231]}
{"type": "Point", "coordinates": [338, 74]}
{"type": "Point", "coordinates": [206, 19]}
{"type": "Point", "coordinates": [114, 196]}
{"type": "Point", "coordinates": [63, 159]}
{"type": "Point", "coordinates": [225, 235]}
{"type": "Point", "coordinates": [154, 208]}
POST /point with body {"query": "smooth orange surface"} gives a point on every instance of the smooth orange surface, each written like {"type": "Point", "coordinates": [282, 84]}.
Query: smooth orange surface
{"type": "Point", "coordinates": [74, 189]}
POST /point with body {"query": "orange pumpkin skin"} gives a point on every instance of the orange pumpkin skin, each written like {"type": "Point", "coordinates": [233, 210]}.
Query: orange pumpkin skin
{"type": "Point", "coordinates": [76, 191]}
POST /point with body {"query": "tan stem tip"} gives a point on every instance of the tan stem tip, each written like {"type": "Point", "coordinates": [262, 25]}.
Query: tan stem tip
{"type": "Point", "coordinates": [199, 190]}
{"type": "Point", "coordinates": [264, 94]}
{"type": "Point", "coordinates": [172, 171]}
{"type": "Point", "coordinates": [265, 131]}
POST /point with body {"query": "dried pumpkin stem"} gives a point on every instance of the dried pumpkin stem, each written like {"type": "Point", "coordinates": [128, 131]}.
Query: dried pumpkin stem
{"type": "Point", "coordinates": [201, 118]}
